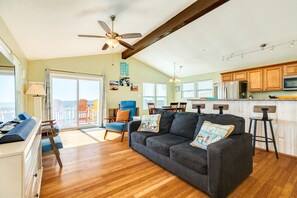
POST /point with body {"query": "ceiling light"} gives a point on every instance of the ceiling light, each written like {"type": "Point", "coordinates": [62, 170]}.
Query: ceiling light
{"type": "Point", "coordinates": [112, 42]}
{"type": "Point", "coordinates": [272, 49]}
{"type": "Point", "coordinates": [175, 79]}
{"type": "Point", "coordinates": [292, 44]}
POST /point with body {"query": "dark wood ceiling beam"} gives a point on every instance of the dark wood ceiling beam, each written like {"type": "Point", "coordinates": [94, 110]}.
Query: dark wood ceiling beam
{"type": "Point", "coordinates": [191, 13]}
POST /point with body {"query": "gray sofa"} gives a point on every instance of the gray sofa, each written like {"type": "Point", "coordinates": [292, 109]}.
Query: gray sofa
{"type": "Point", "coordinates": [217, 170]}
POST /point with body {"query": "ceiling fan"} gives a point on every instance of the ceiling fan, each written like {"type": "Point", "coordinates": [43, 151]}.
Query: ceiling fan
{"type": "Point", "coordinates": [113, 38]}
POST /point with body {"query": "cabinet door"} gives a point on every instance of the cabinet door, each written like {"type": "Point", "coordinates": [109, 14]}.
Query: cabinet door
{"type": "Point", "coordinates": [273, 78]}
{"type": "Point", "coordinates": [290, 69]}
{"type": "Point", "coordinates": [255, 80]}
{"type": "Point", "coordinates": [227, 77]}
{"type": "Point", "coordinates": [240, 76]}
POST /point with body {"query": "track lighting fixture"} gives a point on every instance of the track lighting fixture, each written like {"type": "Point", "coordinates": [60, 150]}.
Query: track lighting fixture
{"type": "Point", "coordinates": [263, 46]}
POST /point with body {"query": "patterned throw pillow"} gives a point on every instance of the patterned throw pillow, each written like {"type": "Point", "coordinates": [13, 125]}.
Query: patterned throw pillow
{"type": "Point", "coordinates": [210, 133]}
{"type": "Point", "coordinates": [122, 115]}
{"type": "Point", "coordinates": [150, 123]}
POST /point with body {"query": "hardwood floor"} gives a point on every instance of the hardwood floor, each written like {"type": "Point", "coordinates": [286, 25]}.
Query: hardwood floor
{"type": "Point", "coordinates": [97, 168]}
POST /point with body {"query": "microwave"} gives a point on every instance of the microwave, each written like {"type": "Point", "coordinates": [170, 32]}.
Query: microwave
{"type": "Point", "coordinates": [290, 83]}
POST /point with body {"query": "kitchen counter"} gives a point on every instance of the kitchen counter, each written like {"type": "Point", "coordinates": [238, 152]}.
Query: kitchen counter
{"type": "Point", "coordinates": [277, 99]}
{"type": "Point", "coordinates": [284, 120]}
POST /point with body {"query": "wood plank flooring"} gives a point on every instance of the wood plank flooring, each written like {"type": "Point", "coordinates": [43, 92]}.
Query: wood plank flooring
{"type": "Point", "coordinates": [97, 168]}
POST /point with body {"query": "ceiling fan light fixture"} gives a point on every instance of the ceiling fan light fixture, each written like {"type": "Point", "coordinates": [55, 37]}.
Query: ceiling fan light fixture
{"type": "Point", "coordinates": [112, 42]}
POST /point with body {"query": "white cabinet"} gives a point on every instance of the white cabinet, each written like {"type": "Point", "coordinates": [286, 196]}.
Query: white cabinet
{"type": "Point", "coordinates": [21, 166]}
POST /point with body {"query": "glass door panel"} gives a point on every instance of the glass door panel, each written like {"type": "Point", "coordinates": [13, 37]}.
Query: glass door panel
{"type": "Point", "coordinates": [7, 99]}
{"type": "Point", "coordinates": [89, 102]}
{"type": "Point", "coordinates": [64, 102]}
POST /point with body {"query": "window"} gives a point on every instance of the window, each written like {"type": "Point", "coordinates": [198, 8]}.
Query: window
{"type": "Point", "coordinates": [204, 88]}
{"type": "Point", "coordinates": [188, 90]}
{"type": "Point", "coordinates": [161, 94]}
{"type": "Point", "coordinates": [7, 99]}
{"type": "Point", "coordinates": [199, 89]}
{"type": "Point", "coordinates": [156, 93]}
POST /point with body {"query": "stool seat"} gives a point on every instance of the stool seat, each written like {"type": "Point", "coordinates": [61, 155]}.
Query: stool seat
{"type": "Point", "coordinates": [260, 118]}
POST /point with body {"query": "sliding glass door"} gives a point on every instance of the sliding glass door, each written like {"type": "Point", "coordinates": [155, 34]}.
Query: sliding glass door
{"type": "Point", "coordinates": [7, 99]}
{"type": "Point", "coordinates": [76, 100]}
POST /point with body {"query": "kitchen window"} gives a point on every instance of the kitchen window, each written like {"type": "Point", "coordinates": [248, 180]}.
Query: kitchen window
{"type": "Point", "coordinates": [156, 93]}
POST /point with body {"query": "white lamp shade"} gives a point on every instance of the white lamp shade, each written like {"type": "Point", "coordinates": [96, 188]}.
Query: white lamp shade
{"type": "Point", "coordinates": [36, 90]}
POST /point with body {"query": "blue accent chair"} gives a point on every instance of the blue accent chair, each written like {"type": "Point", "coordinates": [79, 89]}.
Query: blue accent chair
{"type": "Point", "coordinates": [121, 126]}
{"type": "Point", "coordinates": [51, 140]}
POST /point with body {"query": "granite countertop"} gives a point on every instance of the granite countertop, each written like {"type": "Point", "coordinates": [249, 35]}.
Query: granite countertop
{"type": "Point", "coordinates": [256, 99]}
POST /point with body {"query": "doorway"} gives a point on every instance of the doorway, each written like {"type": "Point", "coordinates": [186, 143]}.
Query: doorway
{"type": "Point", "coordinates": [76, 100]}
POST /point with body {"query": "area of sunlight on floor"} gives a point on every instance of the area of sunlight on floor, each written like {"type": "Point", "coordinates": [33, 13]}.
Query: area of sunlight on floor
{"type": "Point", "coordinates": [85, 137]}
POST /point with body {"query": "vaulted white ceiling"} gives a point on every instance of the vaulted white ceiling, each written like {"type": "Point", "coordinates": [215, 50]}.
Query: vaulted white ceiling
{"type": "Point", "coordinates": [48, 29]}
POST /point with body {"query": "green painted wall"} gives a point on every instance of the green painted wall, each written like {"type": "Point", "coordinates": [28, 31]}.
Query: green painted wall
{"type": "Point", "coordinates": [102, 65]}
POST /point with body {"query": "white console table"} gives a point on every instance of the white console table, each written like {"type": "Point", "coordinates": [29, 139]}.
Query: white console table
{"type": "Point", "coordinates": [21, 166]}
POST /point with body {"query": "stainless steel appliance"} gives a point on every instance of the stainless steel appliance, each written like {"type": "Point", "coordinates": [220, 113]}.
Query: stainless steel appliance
{"type": "Point", "coordinates": [230, 90]}
{"type": "Point", "coordinates": [290, 83]}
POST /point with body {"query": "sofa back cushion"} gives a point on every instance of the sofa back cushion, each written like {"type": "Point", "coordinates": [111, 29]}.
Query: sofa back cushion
{"type": "Point", "coordinates": [166, 120]}
{"type": "Point", "coordinates": [225, 119]}
{"type": "Point", "coordinates": [184, 124]}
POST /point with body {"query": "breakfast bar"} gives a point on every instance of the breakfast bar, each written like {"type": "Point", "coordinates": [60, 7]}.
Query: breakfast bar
{"type": "Point", "coordinates": [284, 120]}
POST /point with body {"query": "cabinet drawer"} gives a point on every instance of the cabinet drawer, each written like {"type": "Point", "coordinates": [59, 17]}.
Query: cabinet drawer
{"type": "Point", "coordinates": [33, 151]}
{"type": "Point", "coordinates": [31, 178]}
{"type": "Point", "coordinates": [240, 76]}
{"type": "Point", "coordinates": [290, 69]}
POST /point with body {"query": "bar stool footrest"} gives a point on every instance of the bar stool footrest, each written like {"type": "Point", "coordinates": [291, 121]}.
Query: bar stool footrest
{"type": "Point", "coordinates": [269, 140]}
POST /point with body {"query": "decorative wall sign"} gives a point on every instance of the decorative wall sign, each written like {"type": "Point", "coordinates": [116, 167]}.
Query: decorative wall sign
{"type": "Point", "coordinates": [113, 85]}
{"type": "Point", "coordinates": [124, 69]}
{"type": "Point", "coordinates": [177, 88]}
{"type": "Point", "coordinates": [134, 86]}
{"type": "Point", "coordinates": [125, 81]}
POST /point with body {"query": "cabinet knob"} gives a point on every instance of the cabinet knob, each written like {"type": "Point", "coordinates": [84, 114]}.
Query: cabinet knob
{"type": "Point", "coordinates": [35, 175]}
{"type": "Point", "coordinates": [36, 195]}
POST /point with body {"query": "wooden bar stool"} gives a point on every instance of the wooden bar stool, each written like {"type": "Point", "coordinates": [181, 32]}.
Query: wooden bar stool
{"type": "Point", "coordinates": [220, 107]}
{"type": "Point", "coordinates": [198, 107]}
{"type": "Point", "coordinates": [265, 110]}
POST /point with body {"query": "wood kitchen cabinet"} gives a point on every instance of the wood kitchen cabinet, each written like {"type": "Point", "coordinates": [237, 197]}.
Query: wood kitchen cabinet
{"type": "Point", "coordinates": [290, 69]}
{"type": "Point", "coordinates": [240, 76]}
{"type": "Point", "coordinates": [273, 78]}
{"type": "Point", "coordinates": [227, 77]}
{"type": "Point", "coordinates": [255, 80]}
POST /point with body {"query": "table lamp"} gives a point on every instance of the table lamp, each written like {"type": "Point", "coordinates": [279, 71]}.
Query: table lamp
{"type": "Point", "coordinates": [37, 90]}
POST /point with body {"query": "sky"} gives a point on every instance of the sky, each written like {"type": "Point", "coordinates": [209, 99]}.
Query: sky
{"type": "Point", "coordinates": [7, 87]}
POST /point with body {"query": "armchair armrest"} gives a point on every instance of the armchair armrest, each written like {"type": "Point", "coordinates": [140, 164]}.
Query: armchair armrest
{"type": "Point", "coordinates": [132, 126]}
{"type": "Point", "coordinates": [229, 161]}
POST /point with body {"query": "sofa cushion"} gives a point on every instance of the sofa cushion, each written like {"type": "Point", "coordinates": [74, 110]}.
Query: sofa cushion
{"type": "Point", "coordinates": [184, 124]}
{"type": "Point", "coordinates": [225, 119]}
{"type": "Point", "coordinates": [166, 120]}
{"type": "Point", "coordinates": [189, 156]}
{"type": "Point", "coordinates": [210, 133]}
{"type": "Point", "coordinates": [140, 137]}
{"type": "Point", "coordinates": [162, 143]}
{"type": "Point", "coordinates": [150, 123]}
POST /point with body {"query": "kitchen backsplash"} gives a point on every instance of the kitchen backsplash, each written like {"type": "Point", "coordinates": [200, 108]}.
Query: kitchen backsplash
{"type": "Point", "coordinates": [265, 95]}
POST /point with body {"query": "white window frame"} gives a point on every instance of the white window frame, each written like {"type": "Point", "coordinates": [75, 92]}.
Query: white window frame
{"type": "Point", "coordinates": [197, 89]}
{"type": "Point", "coordinates": [155, 96]}
{"type": "Point", "coordinates": [183, 91]}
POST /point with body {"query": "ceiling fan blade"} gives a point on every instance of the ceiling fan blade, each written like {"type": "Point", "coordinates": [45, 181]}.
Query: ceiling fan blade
{"type": "Point", "coordinates": [104, 26]}
{"type": "Point", "coordinates": [105, 46]}
{"type": "Point", "coordinates": [131, 35]}
{"type": "Point", "coordinates": [91, 36]}
{"type": "Point", "coordinates": [127, 45]}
